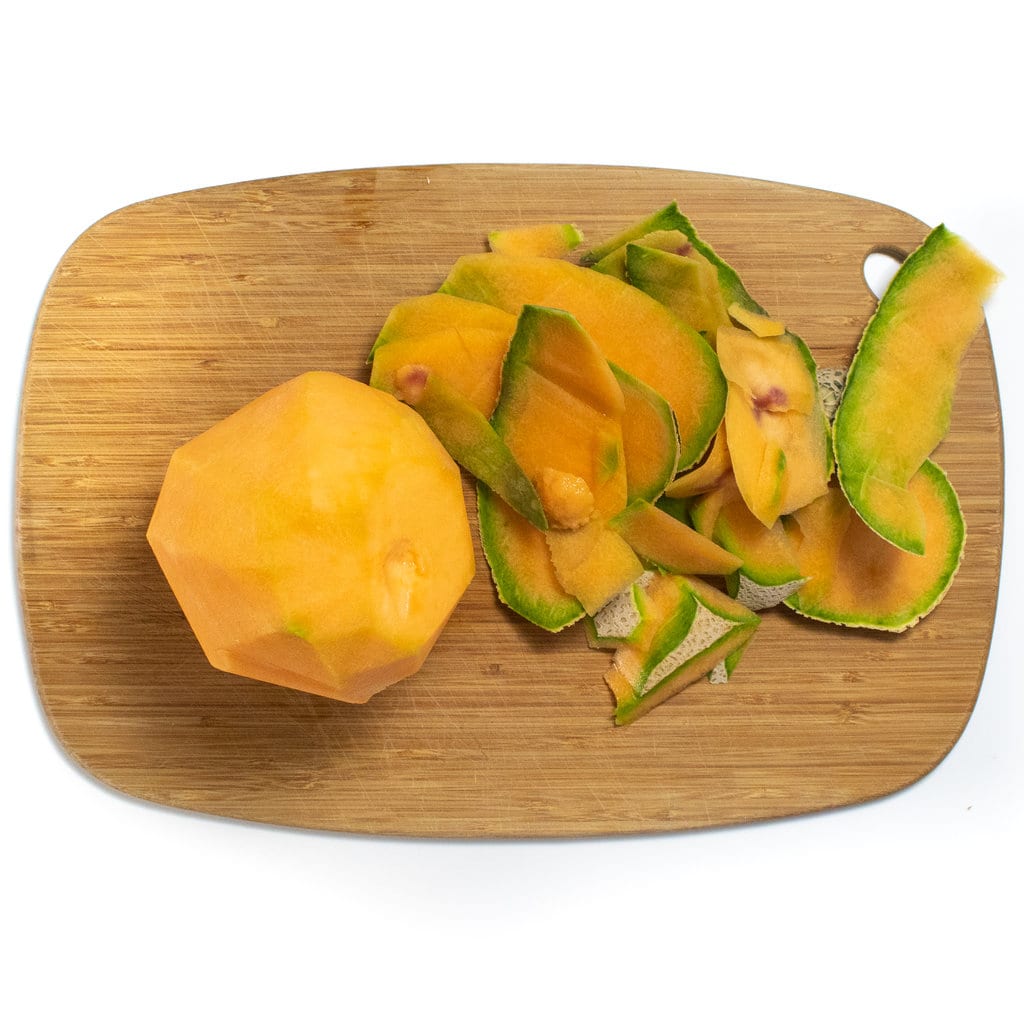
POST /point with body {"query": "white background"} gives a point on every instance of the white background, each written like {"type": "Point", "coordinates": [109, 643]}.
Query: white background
{"type": "Point", "coordinates": [906, 909]}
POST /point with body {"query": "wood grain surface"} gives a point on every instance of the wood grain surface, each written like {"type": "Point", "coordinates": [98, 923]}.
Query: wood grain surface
{"type": "Point", "coordinates": [167, 315]}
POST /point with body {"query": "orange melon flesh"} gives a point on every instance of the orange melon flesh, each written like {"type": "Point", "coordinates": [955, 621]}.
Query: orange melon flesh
{"type": "Point", "coordinates": [461, 342]}
{"type": "Point", "coordinates": [771, 370]}
{"type": "Point", "coordinates": [671, 545]}
{"type": "Point", "coordinates": [553, 240]}
{"type": "Point", "coordinates": [773, 423]}
{"type": "Point", "coordinates": [856, 578]}
{"type": "Point", "coordinates": [521, 567]}
{"type": "Point", "coordinates": [317, 538]}
{"type": "Point", "coordinates": [757, 455]}
{"type": "Point", "coordinates": [686, 283]}
{"type": "Point", "coordinates": [708, 474]}
{"type": "Point", "coordinates": [763, 326]}
{"type": "Point", "coordinates": [650, 438]}
{"type": "Point", "coordinates": [561, 407]}
{"type": "Point", "coordinates": [593, 563]}
{"type": "Point", "coordinates": [899, 391]}
{"type": "Point", "coordinates": [632, 330]}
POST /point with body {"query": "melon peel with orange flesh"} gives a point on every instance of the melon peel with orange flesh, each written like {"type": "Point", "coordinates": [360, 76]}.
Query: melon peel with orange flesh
{"type": "Point", "coordinates": [898, 398]}
{"type": "Point", "coordinates": [781, 442]}
{"type": "Point", "coordinates": [461, 342]}
{"type": "Point", "coordinates": [317, 538]}
{"type": "Point", "coordinates": [687, 630]}
{"type": "Point", "coordinates": [857, 578]}
{"type": "Point", "coordinates": [768, 572]}
{"type": "Point", "coordinates": [755, 353]}
{"type": "Point", "coordinates": [560, 413]}
{"type": "Point", "coordinates": [548, 239]}
{"type": "Point", "coordinates": [632, 330]}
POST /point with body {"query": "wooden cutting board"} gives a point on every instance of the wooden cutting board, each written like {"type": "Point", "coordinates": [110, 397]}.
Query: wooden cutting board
{"type": "Point", "coordinates": [169, 314]}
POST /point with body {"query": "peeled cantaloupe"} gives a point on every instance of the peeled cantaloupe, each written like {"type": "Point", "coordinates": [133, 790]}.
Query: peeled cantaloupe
{"type": "Point", "coordinates": [896, 405]}
{"type": "Point", "coordinates": [317, 538]}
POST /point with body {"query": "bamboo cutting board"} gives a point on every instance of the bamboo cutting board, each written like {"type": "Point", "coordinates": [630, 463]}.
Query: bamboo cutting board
{"type": "Point", "coordinates": [168, 315]}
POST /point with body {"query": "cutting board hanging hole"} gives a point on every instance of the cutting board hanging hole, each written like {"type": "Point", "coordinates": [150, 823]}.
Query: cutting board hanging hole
{"type": "Point", "coordinates": [880, 268]}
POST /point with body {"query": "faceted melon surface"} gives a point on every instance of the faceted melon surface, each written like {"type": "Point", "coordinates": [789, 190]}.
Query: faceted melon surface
{"type": "Point", "coordinates": [316, 538]}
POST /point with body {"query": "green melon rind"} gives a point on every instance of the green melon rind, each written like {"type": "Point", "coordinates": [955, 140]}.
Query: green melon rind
{"type": "Point", "coordinates": [854, 451]}
{"type": "Point", "coordinates": [650, 489]}
{"type": "Point", "coordinates": [671, 218]}
{"type": "Point", "coordinates": [550, 612]}
{"type": "Point", "coordinates": [666, 219]}
{"type": "Point", "coordinates": [471, 440]}
{"type": "Point", "coordinates": [733, 290]}
{"type": "Point", "coordinates": [675, 634]}
{"type": "Point", "coordinates": [926, 602]}
{"type": "Point", "coordinates": [723, 671]}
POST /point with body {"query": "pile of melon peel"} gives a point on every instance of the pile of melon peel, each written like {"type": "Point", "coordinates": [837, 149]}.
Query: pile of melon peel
{"type": "Point", "coordinates": [659, 457]}
{"type": "Point", "coordinates": [656, 457]}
